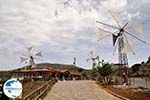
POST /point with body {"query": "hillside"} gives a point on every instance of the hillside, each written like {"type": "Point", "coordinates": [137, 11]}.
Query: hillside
{"type": "Point", "coordinates": [4, 75]}
{"type": "Point", "coordinates": [140, 70]}
{"type": "Point", "coordinates": [56, 66]}
{"type": "Point", "coordinates": [61, 67]}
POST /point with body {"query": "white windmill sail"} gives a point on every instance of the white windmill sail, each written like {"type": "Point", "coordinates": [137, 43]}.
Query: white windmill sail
{"type": "Point", "coordinates": [119, 15]}
{"type": "Point", "coordinates": [126, 48]}
{"type": "Point", "coordinates": [97, 57]}
{"type": "Point", "coordinates": [87, 60]}
{"type": "Point", "coordinates": [138, 27]}
{"type": "Point", "coordinates": [23, 59]}
{"type": "Point", "coordinates": [29, 49]}
{"type": "Point", "coordinates": [91, 53]}
{"type": "Point", "coordinates": [56, 13]}
{"type": "Point", "coordinates": [39, 54]}
{"type": "Point", "coordinates": [103, 33]}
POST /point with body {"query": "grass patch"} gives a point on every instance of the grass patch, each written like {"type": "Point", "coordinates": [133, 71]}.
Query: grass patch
{"type": "Point", "coordinates": [146, 92]}
{"type": "Point", "coordinates": [102, 85]}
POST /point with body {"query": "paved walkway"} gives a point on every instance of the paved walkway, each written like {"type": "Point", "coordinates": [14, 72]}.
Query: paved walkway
{"type": "Point", "coordinates": [78, 90]}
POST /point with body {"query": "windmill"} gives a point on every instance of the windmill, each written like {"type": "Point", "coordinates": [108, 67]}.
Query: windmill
{"type": "Point", "coordinates": [56, 13]}
{"type": "Point", "coordinates": [120, 40]}
{"type": "Point", "coordinates": [92, 58]}
{"type": "Point", "coordinates": [67, 3]}
{"type": "Point", "coordinates": [30, 57]}
{"type": "Point", "coordinates": [74, 61]}
{"type": "Point", "coordinates": [99, 63]}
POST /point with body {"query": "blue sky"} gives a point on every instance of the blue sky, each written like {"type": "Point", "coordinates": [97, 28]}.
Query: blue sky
{"type": "Point", "coordinates": [62, 32]}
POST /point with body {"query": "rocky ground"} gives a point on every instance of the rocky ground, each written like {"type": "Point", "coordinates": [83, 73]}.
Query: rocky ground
{"type": "Point", "coordinates": [131, 94]}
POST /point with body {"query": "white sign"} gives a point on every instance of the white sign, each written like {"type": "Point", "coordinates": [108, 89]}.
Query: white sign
{"type": "Point", "coordinates": [12, 88]}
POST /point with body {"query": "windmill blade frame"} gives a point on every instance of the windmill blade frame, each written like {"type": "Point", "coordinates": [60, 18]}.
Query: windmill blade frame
{"type": "Point", "coordinates": [37, 58]}
{"type": "Point", "coordinates": [114, 18]}
{"type": "Point", "coordinates": [29, 49]}
{"type": "Point", "coordinates": [124, 26]}
{"type": "Point", "coordinates": [138, 27]}
{"type": "Point", "coordinates": [105, 30]}
{"type": "Point", "coordinates": [119, 15]}
{"type": "Point", "coordinates": [115, 46]}
{"type": "Point", "coordinates": [97, 57]}
{"type": "Point", "coordinates": [103, 34]}
{"type": "Point", "coordinates": [91, 53]}
{"type": "Point", "coordinates": [38, 54]}
{"type": "Point", "coordinates": [134, 36]}
{"type": "Point", "coordinates": [128, 44]}
{"type": "Point", "coordinates": [103, 37]}
{"type": "Point", "coordinates": [23, 59]}
{"type": "Point", "coordinates": [87, 60]}
{"type": "Point", "coordinates": [107, 25]}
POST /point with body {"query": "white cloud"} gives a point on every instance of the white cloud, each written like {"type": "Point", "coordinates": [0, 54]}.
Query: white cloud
{"type": "Point", "coordinates": [114, 4]}
{"type": "Point", "coordinates": [50, 26]}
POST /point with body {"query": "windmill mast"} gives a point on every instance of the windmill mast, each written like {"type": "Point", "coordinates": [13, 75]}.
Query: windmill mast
{"type": "Point", "coordinates": [123, 60]}
{"type": "Point", "coordinates": [94, 62]}
{"type": "Point", "coordinates": [32, 60]}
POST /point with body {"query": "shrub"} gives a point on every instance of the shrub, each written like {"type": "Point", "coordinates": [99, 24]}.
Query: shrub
{"type": "Point", "coordinates": [146, 92]}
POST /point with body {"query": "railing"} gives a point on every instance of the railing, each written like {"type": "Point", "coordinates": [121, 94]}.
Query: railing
{"type": "Point", "coordinates": [37, 93]}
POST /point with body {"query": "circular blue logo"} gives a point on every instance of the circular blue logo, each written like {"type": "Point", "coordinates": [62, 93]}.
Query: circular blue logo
{"type": "Point", "coordinates": [12, 88]}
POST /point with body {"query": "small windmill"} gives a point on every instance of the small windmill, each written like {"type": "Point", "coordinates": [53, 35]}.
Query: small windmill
{"type": "Point", "coordinates": [92, 58]}
{"type": "Point", "coordinates": [67, 3]}
{"type": "Point", "coordinates": [56, 13]}
{"type": "Point", "coordinates": [74, 61]}
{"type": "Point", "coordinates": [120, 40]}
{"type": "Point", "coordinates": [99, 62]}
{"type": "Point", "coordinates": [30, 57]}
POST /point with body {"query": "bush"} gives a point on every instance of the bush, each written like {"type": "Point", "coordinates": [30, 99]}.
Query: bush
{"type": "Point", "coordinates": [146, 92]}
{"type": "Point", "coordinates": [103, 85]}
{"type": "Point", "coordinates": [106, 73]}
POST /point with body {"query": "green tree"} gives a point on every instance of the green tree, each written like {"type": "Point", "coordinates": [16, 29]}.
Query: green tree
{"type": "Point", "coordinates": [80, 70]}
{"type": "Point", "coordinates": [84, 75]}
{"type": "Point", "coordinates": [135, 70]}
{"type": "Point", "coordinates": [106, 73]}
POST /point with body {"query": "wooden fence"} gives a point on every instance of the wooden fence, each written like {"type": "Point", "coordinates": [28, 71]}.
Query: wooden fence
{"type": "Point", "coordinates": [37, 93]}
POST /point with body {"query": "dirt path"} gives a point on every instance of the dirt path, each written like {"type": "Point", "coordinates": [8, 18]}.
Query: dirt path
{"type": "Point", "coordinates": [78, 90]}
